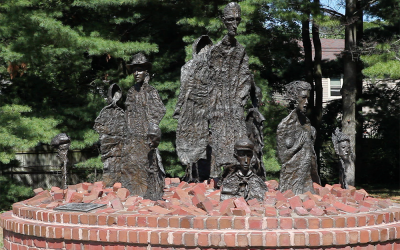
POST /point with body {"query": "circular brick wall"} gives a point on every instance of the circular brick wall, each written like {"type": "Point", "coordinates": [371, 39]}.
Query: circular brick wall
{"type": "Point", "coordinates": [349, 221]}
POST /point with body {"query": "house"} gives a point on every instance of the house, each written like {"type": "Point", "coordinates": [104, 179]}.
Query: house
{"type": "Point", "coordinates": [331, 50]}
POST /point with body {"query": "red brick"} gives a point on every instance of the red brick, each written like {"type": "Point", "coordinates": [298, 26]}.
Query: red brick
{"type": "Point", "coordinates": [359, 196]}
{"type": "Point", "coordinates": [270, 212]}
{"type": "Point", "coordinates": [300, 211]}
{"type": "Point", "coordinates": [202, 239]}
{"type": "Point", "coordinates": [272, 223]}
{"type": "Point", "coordinates": [239, 222]}
{"type": "Point", "coordinates": [238, 212]}
{"type": "Point", "coordinates": [331, 211]}
{"type": "Point", "coordinates": [123, 193]}
{"type": "Point", "coordinates": [206, 205]}
{"type": "Point", "coordinates": [198, 222]}
{"type": "Point", "coordinates": [255, 223]}
{"type": "Point", "coordinates": [288, 194]}
{"type": "Point", "coordinates": [295, 201]}
{"type": "Point", "coordinates": [285, 212]}
{"type": "Point", "coordinates": [117, 186]}
{"type": "Point", "coordinates": [242, 204]}
{"type": "Point", "coordinates": [190, 239]}
{"type": "Point", "coordinates": [215, 239]}
{"type": "Point", "coordinates": [326, 223]}
{"type": "Point", "coordinates": [226, 206]}
{"type": "Point", "coordinates": [341, 238]}
{"type": "Point", "coordinates": [300, 223]}
{"type": "Point", "coordinates": [182, 195]}
{"type": "Point", "coordinates": [327, 238]}
{"type": "Point", "coordinates": [299, 239]}
{"type": "Point", "coordinates": [280, 196]}
{"type": "Point", "coordinates": [242, 240]}
{"type": "Point", "coordinates": [229, 239]}
{"type": "Point", "coordinates": [177, 238]}
{"type": "Point", "coordinates": [284, 239]}
{"type": "Point", "coordinates": [314, 239]}
{"type": "Point", "coordinates": [316, 211]}
{"type": "Point", "coordinates": [76, 198]}
{"type": "Point", "coordinates": [345, 207]}
{"type": "Point", "coordinates": [286, 223]}
{"type": "Point", "coordinates": [53, 244]}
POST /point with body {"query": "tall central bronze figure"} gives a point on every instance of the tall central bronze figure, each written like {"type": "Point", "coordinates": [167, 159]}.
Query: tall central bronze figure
{"type": "Point", "coordinates": [229, 86]}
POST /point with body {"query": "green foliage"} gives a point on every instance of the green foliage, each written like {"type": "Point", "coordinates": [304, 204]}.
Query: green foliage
{"type": "Point", "coordinates": [383, 60]}
{"type": "Point", "coordinates": [92, 163]}
{"type": "Point", "coordinates": [10, 192]}
{"type": "Point", "coordinates": [19, 131]}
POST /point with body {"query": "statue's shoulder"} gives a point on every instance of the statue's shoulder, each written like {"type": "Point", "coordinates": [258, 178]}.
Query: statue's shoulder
{"type": "Point", "coordinates": [288, 120]}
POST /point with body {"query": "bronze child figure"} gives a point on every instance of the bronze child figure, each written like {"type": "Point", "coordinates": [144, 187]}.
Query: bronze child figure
{"type": "Point", "coordinates": [241, 181]}
{"type": "Point", "coordinates": [155, 170]}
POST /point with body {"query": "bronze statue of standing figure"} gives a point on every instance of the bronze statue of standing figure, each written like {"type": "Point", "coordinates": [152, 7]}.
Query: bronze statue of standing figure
{"type": "Point", "coordinates": [231, 85]}
{"type": "Point", "coordinates": [192, 134]}
{"type": "Point", "coordinates": [215, 88]}
{"type": "Point", "coordinates": [124, 134]}
{"type": "Point", "coordinates": [341, 143]}
{"type": "Point", "coordinates": [111, 126]}
{"type": "Point", "coordinates": [240, 180]}
{"type": "Point", "coordinates": [295, 143]}
{"type": "Point", "coordinates": [143, 106]}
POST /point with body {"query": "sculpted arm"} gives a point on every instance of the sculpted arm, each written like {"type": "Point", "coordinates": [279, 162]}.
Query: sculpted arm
{"type": "Point", "coordinates": [156, 108]}
{"type": "Point", "coordinates": [288, 144]}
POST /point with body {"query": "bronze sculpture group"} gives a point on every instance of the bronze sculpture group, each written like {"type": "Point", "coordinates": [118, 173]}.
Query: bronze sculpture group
{"type": "Point", "coordinates": [214, 128]}
{"type": "Point", "coordinates": [129, 138]}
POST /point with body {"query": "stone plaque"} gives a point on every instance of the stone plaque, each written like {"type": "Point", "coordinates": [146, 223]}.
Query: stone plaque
{"type": "Point", "coordinates": [79, 207]}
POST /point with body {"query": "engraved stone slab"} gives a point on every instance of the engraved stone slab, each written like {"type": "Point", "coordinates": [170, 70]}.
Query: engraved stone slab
{"type": "Point", "coordinates": [79, 207]}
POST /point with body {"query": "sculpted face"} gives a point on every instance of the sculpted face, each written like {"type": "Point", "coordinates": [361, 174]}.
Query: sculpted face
{"type": "Point", "coordinates": [344, 149]}
{"type": "Point", "coordinates": [140, 74]}
{"type": "Point", "coordinates": [244, 157]}
{"type": "Point", "coordinates": [302, 101]}
{"type": "Point", "coordinates": [232, 20]}
{"type": "Point", "coordinates": [154, 141]}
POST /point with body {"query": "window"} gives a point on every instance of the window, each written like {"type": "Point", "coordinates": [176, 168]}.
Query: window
{"type": "Point", "coordinates": [335, 86]}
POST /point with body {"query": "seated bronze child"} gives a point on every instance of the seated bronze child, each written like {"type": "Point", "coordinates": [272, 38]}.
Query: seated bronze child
{"type": "Point", "coordinates": [241, 181]}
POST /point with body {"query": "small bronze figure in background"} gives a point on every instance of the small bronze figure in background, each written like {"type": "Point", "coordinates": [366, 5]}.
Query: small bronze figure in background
{"type": "Point", "coordinates": [341, 143]}
{"type": "Point", "coordinates": [295, 143]}
{"type": "Point", "coordinates": [240, 180]}
{"type": "Point", "coordinates": [62, 142]}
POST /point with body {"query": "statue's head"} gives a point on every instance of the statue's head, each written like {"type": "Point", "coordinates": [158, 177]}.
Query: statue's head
{"type": "Point", "coordinates": [153, 135]}
{"type": "Point", "coordinates": [201, 45]}
{"type": "Point", "coordinates": [341, 143]}
{"type": "Point", "coordinates": [298, 92]}
{"type": "Point", "coordinates": [231, 18]}
{"type": "Point", "coordinates": [140, 67]}
{"type": "Point", "coordinates": [114, 94]}
{"type": "Point", "coordinates": [244, 153]}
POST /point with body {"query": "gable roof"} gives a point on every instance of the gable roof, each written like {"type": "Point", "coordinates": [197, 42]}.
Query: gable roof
{"type": "Point", "coordinates": [331, 48]}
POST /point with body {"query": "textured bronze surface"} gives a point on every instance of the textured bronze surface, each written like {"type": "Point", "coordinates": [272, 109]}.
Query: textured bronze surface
{"type": "Point", "coordinates": [215, 87]}
{"type": "Point", "coordinates": [62, 142]}
{"type": "Point", "coordinates": [124, 134]}
{"type": "Point", "coordinates": [240, 180]}
{"type": "Point", "coordinates": [295, 143]}
{"type": "Point", "coordinates": [341, 143]}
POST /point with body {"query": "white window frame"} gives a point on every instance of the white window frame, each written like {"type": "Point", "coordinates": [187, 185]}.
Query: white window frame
{"type": "Point", "coordinates": [329, 87]}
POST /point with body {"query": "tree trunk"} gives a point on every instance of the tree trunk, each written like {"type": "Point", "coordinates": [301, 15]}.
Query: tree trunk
{"type": "Point", "coordinates": [317, 114]}
{"type": "Point", "coordinates": [305, 34]}
{"type": "Point", "coordinates": [349, 90]}
{"type": "Point", "coordinates": [360, 66]}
